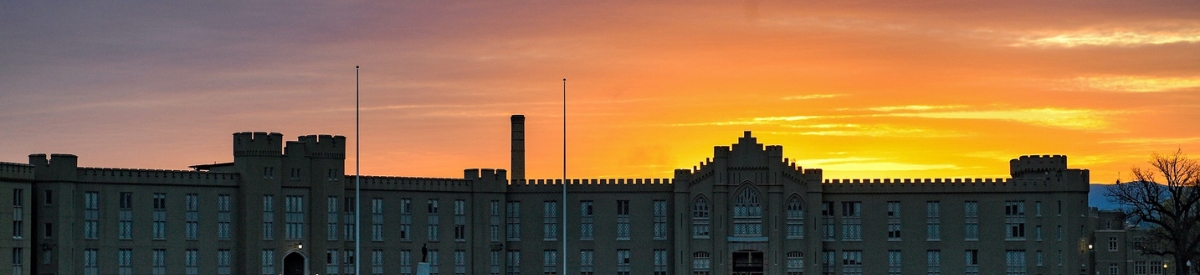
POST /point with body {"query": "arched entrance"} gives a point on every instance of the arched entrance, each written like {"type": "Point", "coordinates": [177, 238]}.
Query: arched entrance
{"type": "Point", "coordinates": [293, 264]}
{"type": "Point", "coordinates": [748, 262]}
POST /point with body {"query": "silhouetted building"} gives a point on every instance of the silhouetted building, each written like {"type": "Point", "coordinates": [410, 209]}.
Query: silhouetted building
{"type": "Point", "coordinates": [286, 207]}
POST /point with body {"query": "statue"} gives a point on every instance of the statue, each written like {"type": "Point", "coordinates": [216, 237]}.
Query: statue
{"type": "Point", "coordinates": [424, 252]}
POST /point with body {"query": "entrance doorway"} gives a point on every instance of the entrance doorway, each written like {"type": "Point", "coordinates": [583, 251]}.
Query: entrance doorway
{"type": "Point", "coordinates": [293, 264]}
{"type": "Point", "coordinates": [748, 262]}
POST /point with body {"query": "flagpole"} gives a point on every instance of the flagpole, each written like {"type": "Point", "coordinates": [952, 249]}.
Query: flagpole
{"type": "Point", "coordinates": [564, 186]}
{"type": "Point", "coordinates": [357, 178]}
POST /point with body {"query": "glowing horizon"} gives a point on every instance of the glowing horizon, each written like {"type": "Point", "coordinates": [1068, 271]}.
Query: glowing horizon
{"type": "Point", "coordinates": [890, 90]}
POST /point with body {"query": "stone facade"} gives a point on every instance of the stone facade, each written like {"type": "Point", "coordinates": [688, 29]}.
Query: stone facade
{"type": "Point", "coordinates": [285, 207]}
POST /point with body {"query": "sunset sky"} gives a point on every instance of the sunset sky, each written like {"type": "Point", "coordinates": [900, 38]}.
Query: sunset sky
{"type": "Point", "coordinates": [888, 89]}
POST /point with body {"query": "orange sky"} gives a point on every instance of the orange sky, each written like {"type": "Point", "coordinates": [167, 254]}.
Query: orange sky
{"type": "Point", "coordinates": [860, 89]}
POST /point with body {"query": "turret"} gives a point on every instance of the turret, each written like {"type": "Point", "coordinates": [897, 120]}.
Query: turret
{"type": "Point", "coordinates": [1037, 164]}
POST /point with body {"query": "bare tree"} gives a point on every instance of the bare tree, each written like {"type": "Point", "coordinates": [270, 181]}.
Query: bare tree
{"type": "Point", "coordinates": [1166, 196]}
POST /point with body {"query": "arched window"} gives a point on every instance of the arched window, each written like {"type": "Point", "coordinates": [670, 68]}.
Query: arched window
{"type": "Point", "coordinates": [795, 218]}
{"type": "Point", "coordinates": [700, 218]}
{"type": "Point", "coordinates": [747, 214]}
{"type": "Point", "coordinates": [701, 263]}
{"type": "Point", "coordinates": [795, 263]}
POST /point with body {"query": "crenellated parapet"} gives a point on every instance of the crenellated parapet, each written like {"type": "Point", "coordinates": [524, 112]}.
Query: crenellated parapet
{"type": "Point", "coordinates": [949, 185]}
{"type": "Point", "coordinates": [155, 177]}
{"type": "Point", "coordinates": [1037, 164]}
{"type": "Point", "coordinates": [16, 171]}
{"type": "Point", "coordinates": [318, 146]}
{"type": "Point", "coordinates": [410, 184]}
{"type": "Point", "coordinates": [592, 185]}
{"type": "Point", "coordinates": [259, 144]}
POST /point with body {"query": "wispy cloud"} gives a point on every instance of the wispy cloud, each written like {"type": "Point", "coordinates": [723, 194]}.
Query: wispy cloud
{"type": "Point", "coordinates": [859, 130]}
{"type": "Point", "coordinates": [1137, 84]}
{"type": "Point", "coordinates": [1121, 38]}
{"type": "Point", "coordinates": [871, 164]}
{"type": "Point", "coordinates": [812, 96]}
{"type": "Point", "coordinates": [1076, 119]}
{"type": "Point", "coordinates": [907, 108]}
{"type": "Point", "coordinates": [1154, 141]}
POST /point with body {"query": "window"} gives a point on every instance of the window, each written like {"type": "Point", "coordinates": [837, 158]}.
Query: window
{"type": "Point", "coordinates": [223, 262]}
{"type": "Point", "coordinates": [1038, 256]}
{"type": "Point", "coordinates": [622, 220]}
{"type": "Point", "coordinates": [700, 218]}
{"type": "Point", "coordinates": [17, 260]}
{"type": "Point", "coordinates": [494, 226]}
{"type": "Point", "coordinates": [1156, 268]}
{"type": "Point", "coordinates": [268, 262]}
{"type": "Point", "coordinates": [377, 219]}
{"type": "Point", "coordinates": [827, 262]}
{"type": "Point", "coordinates": [747, 214]}
{"type": "Point", "coordinates": [1139, 268]}
{"type": "Point", "coordinates": [587, 216]}
{"type": "Point", "coordinates": [795, 219]}
{"type": "Point", "coordinates": [827, 232]}
{"type": "Point", "coordinates": [460, 220]}
{"type": "Point", "coordinates": [295, 174]}
{"type": "Point", "coordinates": [332, 262]}
{"type": "Point", "coordinates": [1014, 220]}
{"type": "Point", "coordinates": [432, 221]}
{"type": "Point", "coordinates": [623, 262]}
{"type": "Point", "coordinates": [405, 262]}
{"type": "Point", "coordinates": [893, 220]}
{"type": "Point", "coordinates": [701, 263]}
{"type": "Point", "coordinates": [1112, 243]}
{"type": "Point", "coordinates": [1114, 269]}
{"type": "Point", "coordinates": [495, 260]}
{"type": "Point", "coordinates": [18, 218]}
{"type": "Point", "coordinates": [223, 217]}
{"type": "Point", "coordinates": [160, 216]}
{"type": "Point", "coordinates": [268, 172]}
{"type": "Point", "coordinates": [333, 175]}
{"type": "Point", "coordinates": [1037, 232]}
{"type": "Point", "coordinates": [852, 262]}
{"type": "Point", "coordinates": [660, 220]}
{"type": "Point", "coordinates": [91, 216]}
{"type": "Point", "coordinates": [1060, 233]}
{"type": "Point", "coordinates": [1037, 205]}
{"type": "Point", "coordinates": [49, 198]}
{"type": "Point", "coordinates": [294, 217]}
{"type": "Point", "coordinates": [192, 222]}
{"type": "Point", "coordinates": [47, 255]}
{"type": "Point", "coordinates": [191, 262]}
{"type": "Point", "coordinates": [795, 263]}
{"type": "Point", "coordinates": [434, 263]}
{"type": "Point", "coordinates": [587, 263]}
{"type": "Point", "coordinates": [349, 205]}
{"type": "Point", "coordinates": [549, 262]}
{"type": "Point", "coordinates": [406, 219]}
{"type": "Point", "coordinates": [159, 258]}
{"type": "Point", "coordinates": [1014, 262]}
{"type": "Point", "coordinates": [971, 220]}
{"type": "Point", "coordinates": [348, 261]}
{"type": "Point", "coordinates": [125, 261]}
{"type": "Point", "coordinates": [660, 262]}
{"type": "Point", "coordinates": [331, 218]}
{"type": "Point", "coordinates": [268, 228]}
{"type": "Point", "coordinates": [933, 262]}
{"type": "Point", "coordinates": [550, 220]}
{"type": "Point", "coordinates": [90, 266]}
{"type": "Point", "coordinates": [933, 221]}
{"type": "Point", "coordinates": [895, 266]}
{"type": "Point", "coordinates": [125, 216]}
{"type": "Point", "coordinates": [852, 221]}
{"type": "Point", "coordinates": [460, 263]}
{"type": "Point", "coordinates": [514, 261]}
{"type": "Point", "coordinates": [513, 223]}
{"type": "Point", "coordinates": [49, 229]}
{"type": "Point", "coordinates": [377, 262]}
{"type": "Point", "coordinates": [972, 262]}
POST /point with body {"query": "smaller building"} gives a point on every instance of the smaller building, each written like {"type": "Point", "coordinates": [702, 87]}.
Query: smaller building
{"type": "Point", "coordinates": [1116, 247]}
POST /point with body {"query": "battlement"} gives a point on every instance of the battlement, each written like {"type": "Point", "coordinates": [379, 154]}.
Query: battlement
{"type": "Point", "coordinates": [410, 183]}
{"type": "Point", "coordinates": [971, 181]}
{"type": "Point", "coordinates": [260, 144]}
{"type": "Point", "coordinates": [643, 181]}
{"type": "Point", "coordinates": [319, 146]}
{"type": "Point", "coordinates": [1035, 163]}
{"type": "Point", "coordinates": [155, 177]}
{"type": "Point", "coordinates": [16, 171]}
